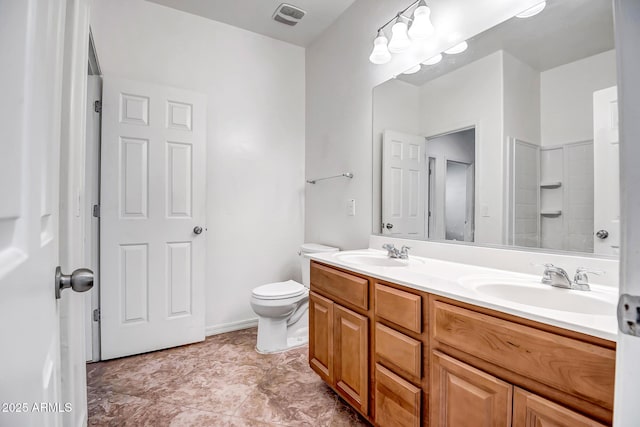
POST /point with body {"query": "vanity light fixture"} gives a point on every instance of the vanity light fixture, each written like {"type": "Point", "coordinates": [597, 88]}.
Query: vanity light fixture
{"type": "Point", "coordinates": [459, 48]}
{"type": "Point", "coordinates": [380, 54]}
{"type": "Point", "coordinates": [412, 70]}
{"type": "Point", "coordinates": [532, 11]}
{"type": "Point", "coordinates": [399, 36]}
{"type": "Point", "coordinates": [433, 60]}
{"type": "Point", "coordinates": [405, 29]}
{"type": "Point", "coordinates": [421, 28]}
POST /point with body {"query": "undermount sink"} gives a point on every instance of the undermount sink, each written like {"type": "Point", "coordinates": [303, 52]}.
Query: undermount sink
{"type": "Point", "coordinates": [372, 259]}
{"type": "Point", "coordinates": [544, 296]}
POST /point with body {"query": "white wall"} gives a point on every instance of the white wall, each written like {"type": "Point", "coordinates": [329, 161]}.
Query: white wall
{"type": "Point", "coordinates": [472, 96]}
{"type": "Point", "coordinates": [255, 136]}
{"type": "Point", "coordinates": [521, 100]}
{"type": "Point", "coordinates": [566, 97]}
{"type": "Point", "coordinates": [340, 80]}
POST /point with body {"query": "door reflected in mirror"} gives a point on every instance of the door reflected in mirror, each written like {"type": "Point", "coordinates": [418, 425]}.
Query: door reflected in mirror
{"type": "Point", "coordinates": [512, 142]}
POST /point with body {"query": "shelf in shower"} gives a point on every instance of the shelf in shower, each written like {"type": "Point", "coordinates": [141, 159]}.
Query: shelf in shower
{"type": "Point", "coordinates": [550, 184]}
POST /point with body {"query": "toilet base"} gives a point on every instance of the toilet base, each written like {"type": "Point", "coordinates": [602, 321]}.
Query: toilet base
{"type": "Point", "coordinates": [274, 336]}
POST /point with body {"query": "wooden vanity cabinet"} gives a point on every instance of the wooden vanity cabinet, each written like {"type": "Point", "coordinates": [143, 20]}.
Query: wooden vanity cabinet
{"type": "Point", "coordinates": [569, 377]}
{"type": "Point", "coordinates": [530, 410]}
{"type": "Point", "coordinates": [405, 358]}
{"type": "Point", "coordinates": [400, 350]}
{"type": "Point", "coordinates": [339, 333]}
{"type": "Point", "coordinates": [463, 396]}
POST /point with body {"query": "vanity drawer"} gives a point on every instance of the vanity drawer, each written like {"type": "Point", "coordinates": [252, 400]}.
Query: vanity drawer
{"type": "Point", "coordinates": [582, 369]}
{"type": "Point", "coordinates": [399, 350]}
{"type": "Point", "coordinates": [343, 286]}
{"type": "Point", "coordinates": [397, 401]}
{"type": "Point", "coordinates": [402, 308]}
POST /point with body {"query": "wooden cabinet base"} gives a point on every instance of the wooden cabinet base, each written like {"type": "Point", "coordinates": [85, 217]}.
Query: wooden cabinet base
{"type": "Point", "coordinates": [463, 396]}
{"type": "Point", "coordinates": [402, 357]}
{"type": "Point", "coordinates": [397, 401]}
{"type": "Point", "coordinates": [530, 410]}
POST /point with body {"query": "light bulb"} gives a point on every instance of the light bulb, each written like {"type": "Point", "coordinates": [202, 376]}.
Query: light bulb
{"type": "Point", "coordinates": [532, 10]}
{"type": "Point", "coordinates": [421, 28]}
{"type": "Point", "coordinates": [433, 60]}
{"type": "Point", "coordinates": [399, 37]}
{"type": "Point", "coordinates": [380, 54]}
{"type": "Point", "coordinates": [459, 48]}
{"type": "Point", "coordinates": [412, 70]}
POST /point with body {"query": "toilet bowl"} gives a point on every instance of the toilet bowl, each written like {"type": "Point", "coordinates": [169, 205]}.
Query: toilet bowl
{"type": "Point", "coordinates": [283, 308]}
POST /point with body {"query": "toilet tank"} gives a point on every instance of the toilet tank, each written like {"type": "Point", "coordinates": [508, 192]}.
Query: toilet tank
{"type": "Point", "coordinates": [305, 262]}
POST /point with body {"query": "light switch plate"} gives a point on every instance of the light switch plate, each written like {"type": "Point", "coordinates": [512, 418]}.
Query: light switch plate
{"type": "Point", "coordinates": [351, 207]}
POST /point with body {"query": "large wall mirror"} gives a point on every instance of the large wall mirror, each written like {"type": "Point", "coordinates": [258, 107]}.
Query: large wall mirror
{"type": "Point", "coordinates": [512, 142]}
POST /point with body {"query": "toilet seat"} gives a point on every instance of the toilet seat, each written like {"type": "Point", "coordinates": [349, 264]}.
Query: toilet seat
{"type": "Point", "coordinates": [279, 290]}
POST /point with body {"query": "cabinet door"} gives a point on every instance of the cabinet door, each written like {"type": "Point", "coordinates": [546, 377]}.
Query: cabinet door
{"type": "Point", "coordinates": [321, 336]}
{"type": "Point", "coordinates": [463, 396]}
{"type": "Point", "coordinates": [351, 362]}
{"type": "Point", "coordinates": [397, 401]}
{"type": "Point", "coordinates": [530, 410]}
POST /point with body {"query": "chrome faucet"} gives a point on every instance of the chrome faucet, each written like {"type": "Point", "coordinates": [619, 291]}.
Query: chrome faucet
{"type": "Point", "coordinates": [393, 252]}
{"type": "Point", "coordinates": [558, 277]}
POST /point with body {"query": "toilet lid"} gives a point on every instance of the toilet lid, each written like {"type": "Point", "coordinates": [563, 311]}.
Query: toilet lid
{"type": "Point", "coordinates": [279, 290]}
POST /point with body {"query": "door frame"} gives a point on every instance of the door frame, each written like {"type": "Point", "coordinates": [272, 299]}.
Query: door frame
{"type": "Point", "coordinates": [92, 230]}
{"type": "Point", "coordinates": [627, 32]}
{"type": "Point", "coordinates": [72, 210]}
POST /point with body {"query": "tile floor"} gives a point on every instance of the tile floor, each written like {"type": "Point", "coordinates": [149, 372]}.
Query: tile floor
{"type": "Point", "coordinates": [219, 382]}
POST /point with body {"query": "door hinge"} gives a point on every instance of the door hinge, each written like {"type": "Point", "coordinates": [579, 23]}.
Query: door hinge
{"type": "Point", "coordinates": [629, 315]}
{"type": "Point", "coordinates": [97, 106]}
{"type": "Point", "coordinates": [96, 315]}
{"type": "Point", "coordinates": [96, 211]}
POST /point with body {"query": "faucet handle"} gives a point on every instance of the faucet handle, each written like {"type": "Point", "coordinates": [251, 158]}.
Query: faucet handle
{"type": "Point", "coordinates": [388, 246]}
{"type": "Point", "coordinates": [587, 270]}
{"type": "Point", "coordinates": [581, 278]}
{"type": "Point", "coordinates": [546, 265]}
{"type": "Point", "coordinates": [405, 248]}
{"type": "Point", "coordinates": [546, 275]}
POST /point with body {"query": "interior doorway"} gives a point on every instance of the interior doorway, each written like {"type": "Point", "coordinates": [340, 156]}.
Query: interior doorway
{"type": "Point", "coordinates": [451, 200]}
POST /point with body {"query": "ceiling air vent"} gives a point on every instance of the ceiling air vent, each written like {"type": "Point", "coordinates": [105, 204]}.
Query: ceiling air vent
{"type": "Point", "coordinates": [288, 14]}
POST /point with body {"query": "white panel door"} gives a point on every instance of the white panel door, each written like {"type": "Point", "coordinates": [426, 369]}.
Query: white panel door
{"type": "Point", "coordinates": [31, 38]}
{"type": "Point", "coordinates": [153, 198]}
{"type": "Point", "coordinates": [606, 169]}
{"type": "Point", "coordinates": [404, 173]}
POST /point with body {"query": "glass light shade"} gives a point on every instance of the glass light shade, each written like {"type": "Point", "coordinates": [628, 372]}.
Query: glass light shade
{"type": "Point", "coordinates": [532, 10]}
{"type": "Point", "coordinates": [459, 48]}
{"type": "Point", "coordinates": [412, 70]}
{"type": "Point", "coordinates": [399, 38]}
{"type": "Point", "coordinates": [433, 60]}
{"type": "Point", "coordinates": [421, 28]}
{"type": "Point", "coordinates": [380, 53]}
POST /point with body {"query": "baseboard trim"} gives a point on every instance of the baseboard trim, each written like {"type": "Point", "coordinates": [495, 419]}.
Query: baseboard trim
{"type": "Point", "coordinates": [230, 327]}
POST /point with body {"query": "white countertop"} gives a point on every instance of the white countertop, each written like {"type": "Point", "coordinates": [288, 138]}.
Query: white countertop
{"type": "Point", "coordinates": [448, 279]}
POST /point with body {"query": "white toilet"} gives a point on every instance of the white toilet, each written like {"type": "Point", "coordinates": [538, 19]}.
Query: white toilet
{"type": "Point", "coordinates": [283, 308]}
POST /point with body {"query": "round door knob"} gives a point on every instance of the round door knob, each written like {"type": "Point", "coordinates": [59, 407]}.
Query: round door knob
{"type": "Point", "coordinates": [81, 280]}
{"type": "Point", "coordinates": [602, 234]}
{"type": "Point", "coordinates": [197, 229]}
{"type": "Point", "coordinates": [389, 226]}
